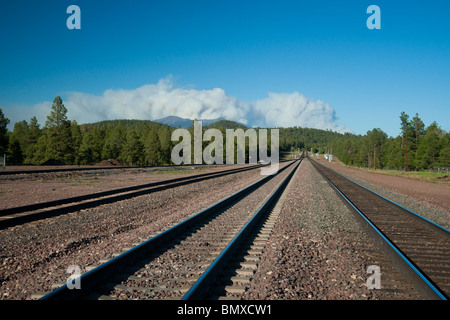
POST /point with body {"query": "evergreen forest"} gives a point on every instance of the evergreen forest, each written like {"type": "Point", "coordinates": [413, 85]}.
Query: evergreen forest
{"type": "Point", "coordinates": [148, 143]}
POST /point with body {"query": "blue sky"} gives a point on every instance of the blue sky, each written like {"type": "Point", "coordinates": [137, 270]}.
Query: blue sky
{"type": "Point", "coordinates": [319, 49]}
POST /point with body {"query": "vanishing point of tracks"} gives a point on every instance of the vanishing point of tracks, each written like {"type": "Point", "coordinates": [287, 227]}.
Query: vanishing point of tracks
{"type": "Point", "coordinates": [184, 261]}
{"type": "Point", "coordinates": [419, 246]}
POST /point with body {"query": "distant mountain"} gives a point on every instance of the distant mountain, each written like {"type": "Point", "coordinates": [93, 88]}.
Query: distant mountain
{"type": "Point", "coordinates": [176, 122]}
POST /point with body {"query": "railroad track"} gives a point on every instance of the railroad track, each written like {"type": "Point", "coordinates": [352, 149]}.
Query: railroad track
{"type": "Point", "coordinates": [185, 260]}
{"type": "Point", "coordinates": [99, 168]}
{"type": "Point", "coordinates": [420, 247]}
{"type": "Point", "coordinates": [19, 215]}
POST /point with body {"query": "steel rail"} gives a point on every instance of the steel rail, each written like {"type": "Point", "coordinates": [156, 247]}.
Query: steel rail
{"type": "Point", "coordinates": [92, 278]}
{"type": "Point", "coordinates": [434, 224]}
{"type": "Point", "coordinates": [89, 168]}
{"type": "Point", "coordinates": [52, 203]}
{"type": "Point", "coordinates": [52, 208]}
{"type": "Point", "coordinates": [426, 281]}
{"type": "Point", "coordinates": [198, 290]}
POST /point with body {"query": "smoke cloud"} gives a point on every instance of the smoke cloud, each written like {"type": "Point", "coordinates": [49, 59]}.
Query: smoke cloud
{"type": "Point", "coordinates": [155, 101]}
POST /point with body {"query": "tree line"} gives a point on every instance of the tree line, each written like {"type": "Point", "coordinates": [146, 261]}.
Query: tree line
{"type": "Point", "coordinates": [417, 147]}
{"type": "Point", "coordinates": [142, 142]}
{"type": "Point", "coordinates": [130, 142]}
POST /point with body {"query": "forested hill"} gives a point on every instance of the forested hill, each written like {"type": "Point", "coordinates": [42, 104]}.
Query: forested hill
{"type": "Point", "coordinates": [145, 142]}
{"type": "Point", "coordinates": [109, 124]}
{"type": "Point", "coordinates": [131, 142]}
{"type": "Point", "coordinates": [222, 125]}
{"type": "Point", "coordinates": [307, 138]}
{"type": "Point", "coordinates": [295, 137]}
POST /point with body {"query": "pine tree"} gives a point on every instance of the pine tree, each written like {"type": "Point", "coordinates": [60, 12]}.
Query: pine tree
{"type": "Point", "coordinates": [3, 133]}
{"type": "Point", "coordinates": [419, 129]}
{"type": "Point", "coordinates": [114, 143]}
{"type": "Point", "coordinates": [59, 136]}
{"type": "Point", "coordinates": [134, 153]}
{"type": "Point", "coordinates": [91, 146]}
{"type": "Point", "coordinates": [166, 145]}
{"type": "Point", "coordinates": [153, 150]}
{"type": "Point", "coordinates": [393, 156]}
{"type": "Point", "coordinates": [376, 139]}
{"type": "Point", "coordinates": [34, 133]}
{"type": "Point", "coordinates": [430, 147]}
{"type": "Point", "coordinates": [15, 154]}
{"type": "Point", "coordinates": [58, 115]}
{"type": "Point", "coordinates": [406, 130]}
{"type": "Point", "coordinates": [444, 154]}
{"type": "Point", "coordinates": [41, 146]}
{"type": "Point", "coordinates": [19, 138]}
{"type": "Point", "coordinates": [77, 138]}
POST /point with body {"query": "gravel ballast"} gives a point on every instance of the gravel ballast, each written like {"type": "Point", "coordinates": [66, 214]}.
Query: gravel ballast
{"type": "Point", "coordinates": [319, 250]}
{"type": "Point", "coordinates": [36, 255]}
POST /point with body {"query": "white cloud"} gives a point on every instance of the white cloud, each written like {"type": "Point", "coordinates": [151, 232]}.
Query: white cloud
{"type": "Point", "coordinates": [154, 101]}
{"type": "Point", "coordinates": [294, 109]}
